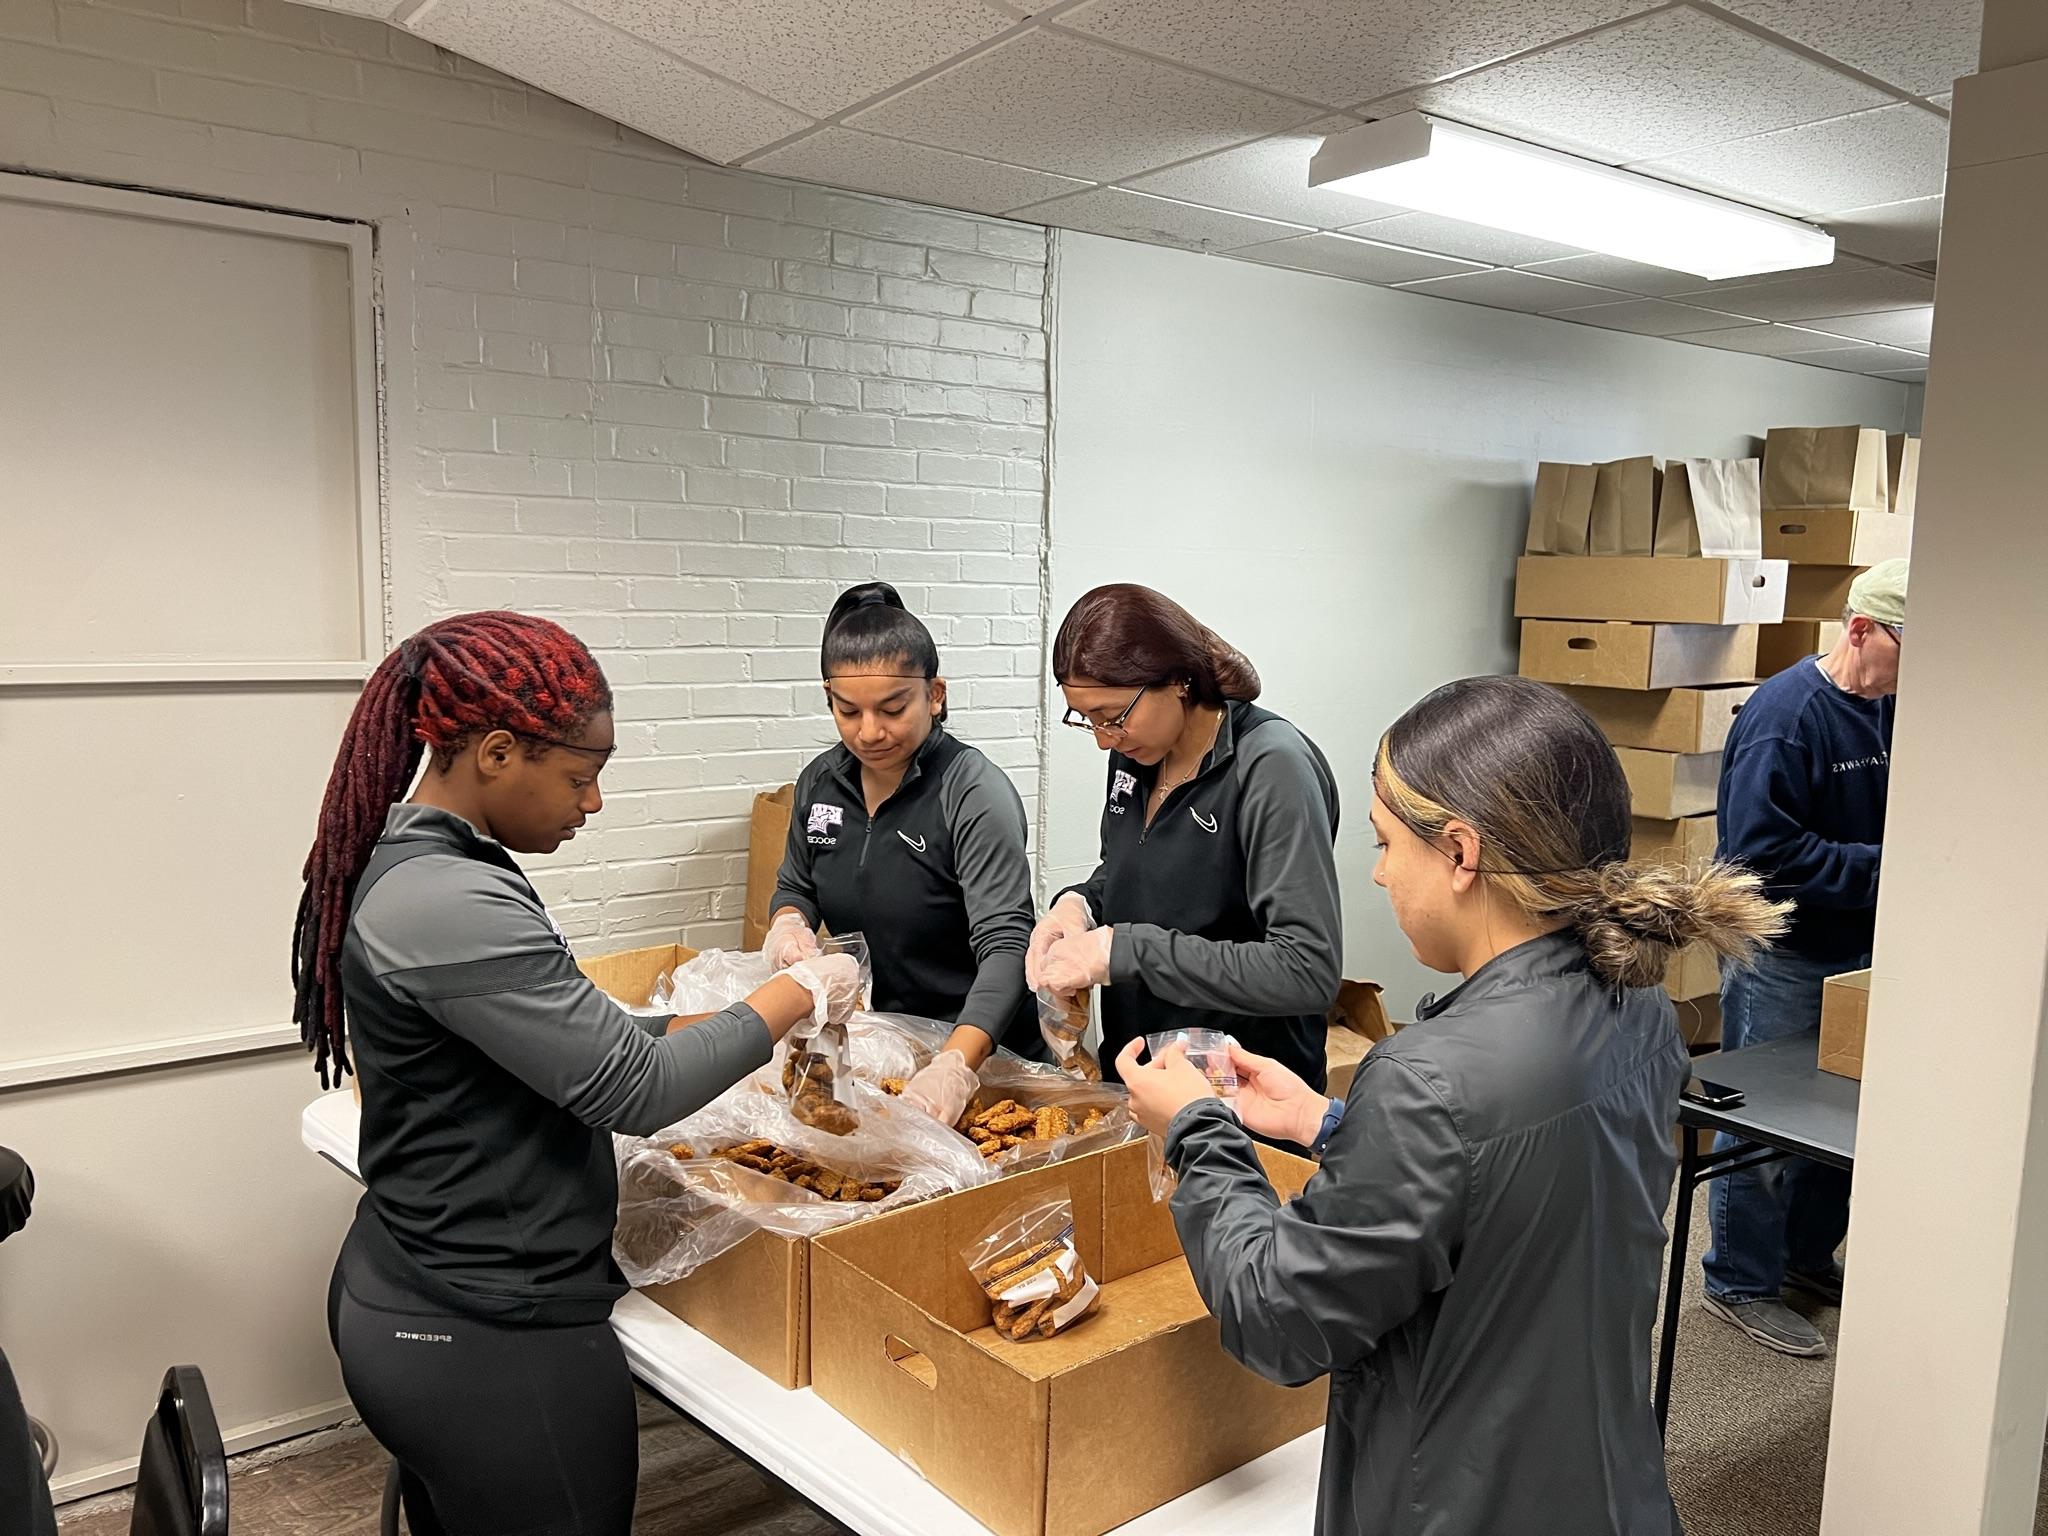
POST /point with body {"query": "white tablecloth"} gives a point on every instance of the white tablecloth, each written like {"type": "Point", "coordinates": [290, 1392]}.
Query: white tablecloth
{"type": "Point", "coordinates": [821, 1455]}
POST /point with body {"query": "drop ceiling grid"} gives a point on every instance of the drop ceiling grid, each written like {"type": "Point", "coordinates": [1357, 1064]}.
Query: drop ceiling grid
{"type": "Point", "coordinates": [1190, 123]}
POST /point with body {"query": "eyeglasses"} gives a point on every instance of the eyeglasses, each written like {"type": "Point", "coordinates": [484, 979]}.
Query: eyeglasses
{"type": "Point", "coordinates": [1897, 632]}
{"type": "Point", "coordinates": [1081, 722]}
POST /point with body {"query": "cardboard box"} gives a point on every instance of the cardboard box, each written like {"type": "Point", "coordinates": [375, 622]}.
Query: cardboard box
{"type": "Point", "coordinates": [1685, 840]}
{"type": "Point", "coordinates": [1694, 973]}
{"type": "Point", "coordinates": [1699, 1022]}
{"type": "Point", "coordinates": [753, 1299]}
{"type": "Point", "coordinates": [767, 841]}
{"type": "Point", "coordinates": [1824, 467]}
{"type": "Point", "coordinates": [1779, 646]}
{"type": "Point", "coordinates": [1844, 1016]}
{"type": "Point", "coordinates": [1669, 720]}
{"type": "Point", "coordinates": [1836, 536]}
{"type": "Point", "coordinates": [1819, 592]}
{"type": "Point", "coordinates": [1638, 656]}
{"type": "Point", "coordinates": [1650, 590]}
{"type": "Point", "coordinates": [1902, 459]}
{"type": "Point", "coordinates": [1069, 1436]}
{"type": "Point", "coordinates": [1666, 786]}
{"type": "Point", "coordinates": [1357, 1022]}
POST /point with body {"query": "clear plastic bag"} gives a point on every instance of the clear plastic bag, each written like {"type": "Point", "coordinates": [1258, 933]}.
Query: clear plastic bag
{"type": "Point", "coordinates": [1064, 1026]}
{"type": "Point", "coordinates": [1208, 1050]}
{"type": "Point", "coordinates": [678, 1211]}
{"type": "Point", "coordinates": [817, 1074]}
{"type": "Point", "coordinates": [1070, 1117]}
{"type": "Point", "coordinates": [1030, 1270]}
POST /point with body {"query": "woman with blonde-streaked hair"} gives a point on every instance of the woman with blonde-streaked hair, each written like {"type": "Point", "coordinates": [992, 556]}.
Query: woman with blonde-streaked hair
{"type": "Point", "coordinates": [1475, 1264]}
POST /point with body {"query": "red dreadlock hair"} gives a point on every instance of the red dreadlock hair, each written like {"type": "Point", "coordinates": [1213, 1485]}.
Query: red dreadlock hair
{"type": "Point", "coordinates": [472, 673]}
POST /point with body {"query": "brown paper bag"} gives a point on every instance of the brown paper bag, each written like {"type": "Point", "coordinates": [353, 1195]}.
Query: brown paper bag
{"type": "Point", "coordinates": [1826, 467]}
{"type": "Point", "coordinates": [767, 838]}
{"type": "Point", "coordinates": [1624, 518]}
{"type": "Point", "coordinates": [1561, 510]}
{"type": "Point", "coordinates": [1902, 464]}
{"type": "Point", "coordinates": [1711, 507]}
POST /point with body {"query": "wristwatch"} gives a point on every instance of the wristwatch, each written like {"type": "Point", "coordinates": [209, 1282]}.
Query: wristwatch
{"type": "Point", "coordinates": [1332, 1118]}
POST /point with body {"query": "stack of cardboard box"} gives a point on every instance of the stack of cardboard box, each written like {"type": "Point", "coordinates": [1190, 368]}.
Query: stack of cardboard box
{"type": "Point", "coordinates": [1661, 650]}
{"type": "Point", "coordinates": [1836, 500]}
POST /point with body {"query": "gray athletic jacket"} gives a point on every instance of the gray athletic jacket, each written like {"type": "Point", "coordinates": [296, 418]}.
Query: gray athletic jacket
{"type": "Point", "coordinates": [492, 1071]}
{"type": "Point", "coordinates": [1475, 1264]}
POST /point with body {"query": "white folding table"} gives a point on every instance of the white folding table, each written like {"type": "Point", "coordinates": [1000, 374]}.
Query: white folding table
{"type": "Point", "coordinates": [822, 1457]}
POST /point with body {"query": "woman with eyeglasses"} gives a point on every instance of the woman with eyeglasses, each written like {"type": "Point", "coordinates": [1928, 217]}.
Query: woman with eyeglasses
{"type": "Point", "coordinates": [914, 838]}
{"type": "Point", "coordinates": [1215, 903]}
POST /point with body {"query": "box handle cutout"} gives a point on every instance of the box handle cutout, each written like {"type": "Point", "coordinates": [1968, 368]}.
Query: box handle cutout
{"type": "Point", "coordinates": [1581, 643]}
{"type": "Point", "coordinates": [1759, 582]}
{"type": "Point", "coordinates": [907, 1360]}
{"type": "Point", "coordinates": [1791, 527]}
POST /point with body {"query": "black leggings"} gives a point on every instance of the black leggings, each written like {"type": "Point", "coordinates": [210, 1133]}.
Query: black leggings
{"type": "Point", "coordinates": [500, 1431]}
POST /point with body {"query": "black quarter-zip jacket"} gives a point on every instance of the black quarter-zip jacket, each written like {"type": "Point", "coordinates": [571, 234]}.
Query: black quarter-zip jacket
{"type": "Point", "coordinates": [1225, 908]}
{"type": "Point", "coordinates": [936, 879]}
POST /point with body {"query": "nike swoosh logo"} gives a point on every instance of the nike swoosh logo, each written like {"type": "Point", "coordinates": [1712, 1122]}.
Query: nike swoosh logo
{"type": "Point", "coordinates": [916, 844]}
{"type": "Point", "coordinates": [1206, 823]}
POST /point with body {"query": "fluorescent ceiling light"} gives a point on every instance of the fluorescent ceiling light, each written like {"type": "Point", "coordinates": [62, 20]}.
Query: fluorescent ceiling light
{"type": "Point", "coordinates": [1416, 161]}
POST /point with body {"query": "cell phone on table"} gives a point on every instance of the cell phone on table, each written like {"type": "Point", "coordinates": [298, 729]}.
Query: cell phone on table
{"type": "Point", "coordinates": [1711, 1095]}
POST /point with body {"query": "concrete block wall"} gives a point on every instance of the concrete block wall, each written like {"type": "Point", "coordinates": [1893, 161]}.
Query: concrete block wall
{"type": "Point", "coordinates": [674, 407]}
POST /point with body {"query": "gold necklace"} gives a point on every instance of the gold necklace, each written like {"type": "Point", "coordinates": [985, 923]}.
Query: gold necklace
{"type": "Point", "coordinates": [1159, 795]}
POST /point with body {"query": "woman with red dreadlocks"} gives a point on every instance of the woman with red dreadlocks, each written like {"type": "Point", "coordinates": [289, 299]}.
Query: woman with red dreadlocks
{"type": "Point", "coordinates": [470, 1303]}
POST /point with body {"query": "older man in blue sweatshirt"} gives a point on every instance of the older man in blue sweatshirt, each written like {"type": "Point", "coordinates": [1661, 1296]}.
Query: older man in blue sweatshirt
{"type": "Point", "coordinates": [1802, 802]}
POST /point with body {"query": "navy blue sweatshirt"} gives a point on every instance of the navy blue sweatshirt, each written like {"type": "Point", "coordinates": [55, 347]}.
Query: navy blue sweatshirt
{"type": "Point", "coordinates": [1802, 799]}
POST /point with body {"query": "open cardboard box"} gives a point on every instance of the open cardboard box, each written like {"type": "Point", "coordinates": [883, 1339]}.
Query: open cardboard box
{"type": "Point", "coordinates": [1638, 656]}
{"type": "Point", "coordinates": [1819, 592]}
{"type": "Point", "coordinates": [1667, 719]}
{"type": "Point", "coordinates": [1131, 1407]}
{"type": "Point", "coordinates": [1357, 1022]}
{"type": "Point", "coordinates": [1844, 1018]}
{"type": "Point", "coordinates": [1647, 589]}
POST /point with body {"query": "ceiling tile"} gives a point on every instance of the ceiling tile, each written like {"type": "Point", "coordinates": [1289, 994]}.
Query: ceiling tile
{"type": "Point", "coordinates": [1341, 51]}
{"type": "Point", "coordinates": [1652, 317]}
{"type": "Point", "coordinates": [1917, 45]}
{"type": "Point", "coordinates": [835, 53]}
{"type": "Point", "coordinates": [1881, 156]}
{"type": "Point", "coordinates": [1910, 328]}
{"type": "Point", "coordinates": [583, 60]}
{"type": "Point", "coordinates": [1762, 340]}
{"type": "Point", "coordinates": [1346, 256]}
{"type": "Point", "coordinates": [1898, 232]}
{"type": "Point", "coordinates": [1454, 237]}
{"type": "Point", "coordinates": [1617, 272]}
{"type": "Point", "coordinates": [1060, 104]}
{"type": "Point", "coordinates": [866, 162]}
{"type": "Point", "coordinates": [1649, 88]}
{"type": "Point", "coordinates": [1158, 220]}
{"type": "Point", "coordinates": [1859, 291]}
{"type": "Point", "coordinates": [1269, 179]}
{"type": "Point", "coordinates": [1903, 375]}
{"type": "Point", "coordinates": [1861, 359]}
{"type": "Point", "coordinates": [1507, 289]}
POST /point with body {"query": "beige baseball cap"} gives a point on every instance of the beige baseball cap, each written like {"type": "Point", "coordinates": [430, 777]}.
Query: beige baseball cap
{"type": "Point", "coordinates": [1879, 594]}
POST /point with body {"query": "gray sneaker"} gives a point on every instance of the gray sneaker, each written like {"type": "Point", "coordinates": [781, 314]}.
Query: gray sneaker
{"type": "Point", "coordinates": [1771, 1323]}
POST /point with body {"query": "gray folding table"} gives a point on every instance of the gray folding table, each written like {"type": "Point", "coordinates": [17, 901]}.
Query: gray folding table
{"type": "Point", "coordinates": [1790, 1109]}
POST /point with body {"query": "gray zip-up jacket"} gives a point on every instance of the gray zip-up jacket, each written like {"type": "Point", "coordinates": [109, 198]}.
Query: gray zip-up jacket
{"type": "Point", "coordinates": [492, 1071]}
{"type": "Point", "coordinates": [1474, 1265]}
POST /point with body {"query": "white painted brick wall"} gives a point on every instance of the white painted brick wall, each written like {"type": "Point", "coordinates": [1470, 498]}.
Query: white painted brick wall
{"type": "Point", "coordinates": [673, 406]}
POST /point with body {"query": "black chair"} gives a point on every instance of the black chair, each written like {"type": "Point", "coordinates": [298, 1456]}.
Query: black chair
{"type": "Point", "coordinates": [182, 1486]}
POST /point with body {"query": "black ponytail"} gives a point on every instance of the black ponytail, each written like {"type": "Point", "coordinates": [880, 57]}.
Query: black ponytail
{"type": "Point", "coordinates": [869, 630]}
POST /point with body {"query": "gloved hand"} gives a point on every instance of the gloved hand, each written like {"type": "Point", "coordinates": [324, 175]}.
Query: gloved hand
{"type": "Point", "coordinates": [943, 1088]}
{"type": "Point", "coordinates": [1068, 919]}
{"type": "Point", "coordinates": [788, 940]}
{"type": "Point", "coordinates": [834, 984]}
{"type": "Point", "coordinates": [1073, 965]}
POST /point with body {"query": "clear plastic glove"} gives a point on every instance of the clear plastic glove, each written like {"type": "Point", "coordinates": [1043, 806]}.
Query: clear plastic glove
{"type": "Point", "coordinates": [788, 940]}
{"type": "Point", "coordinates": [1069, 918]}
{"type": "Point", "coordinates": [834, 984]}
{"type": "Point", "coordinates": [943, 1088]}
{"type": "Point", "coordinates": [1073, 965]}
{"type": "Point", "coordinates": [1272, 1100]}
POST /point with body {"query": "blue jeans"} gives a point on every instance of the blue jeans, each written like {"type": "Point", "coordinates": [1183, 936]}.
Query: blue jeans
{"type": "Point", "coordinates": [1789, 1214]}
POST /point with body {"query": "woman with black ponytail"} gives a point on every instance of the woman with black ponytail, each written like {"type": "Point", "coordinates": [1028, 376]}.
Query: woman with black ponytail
{"type": "Point", "coordinates": [1475, 1265]}
{"type": "Point", "coordinates": [471, 1300]}
{"type": "Point", "coordinates": [914, 838]}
